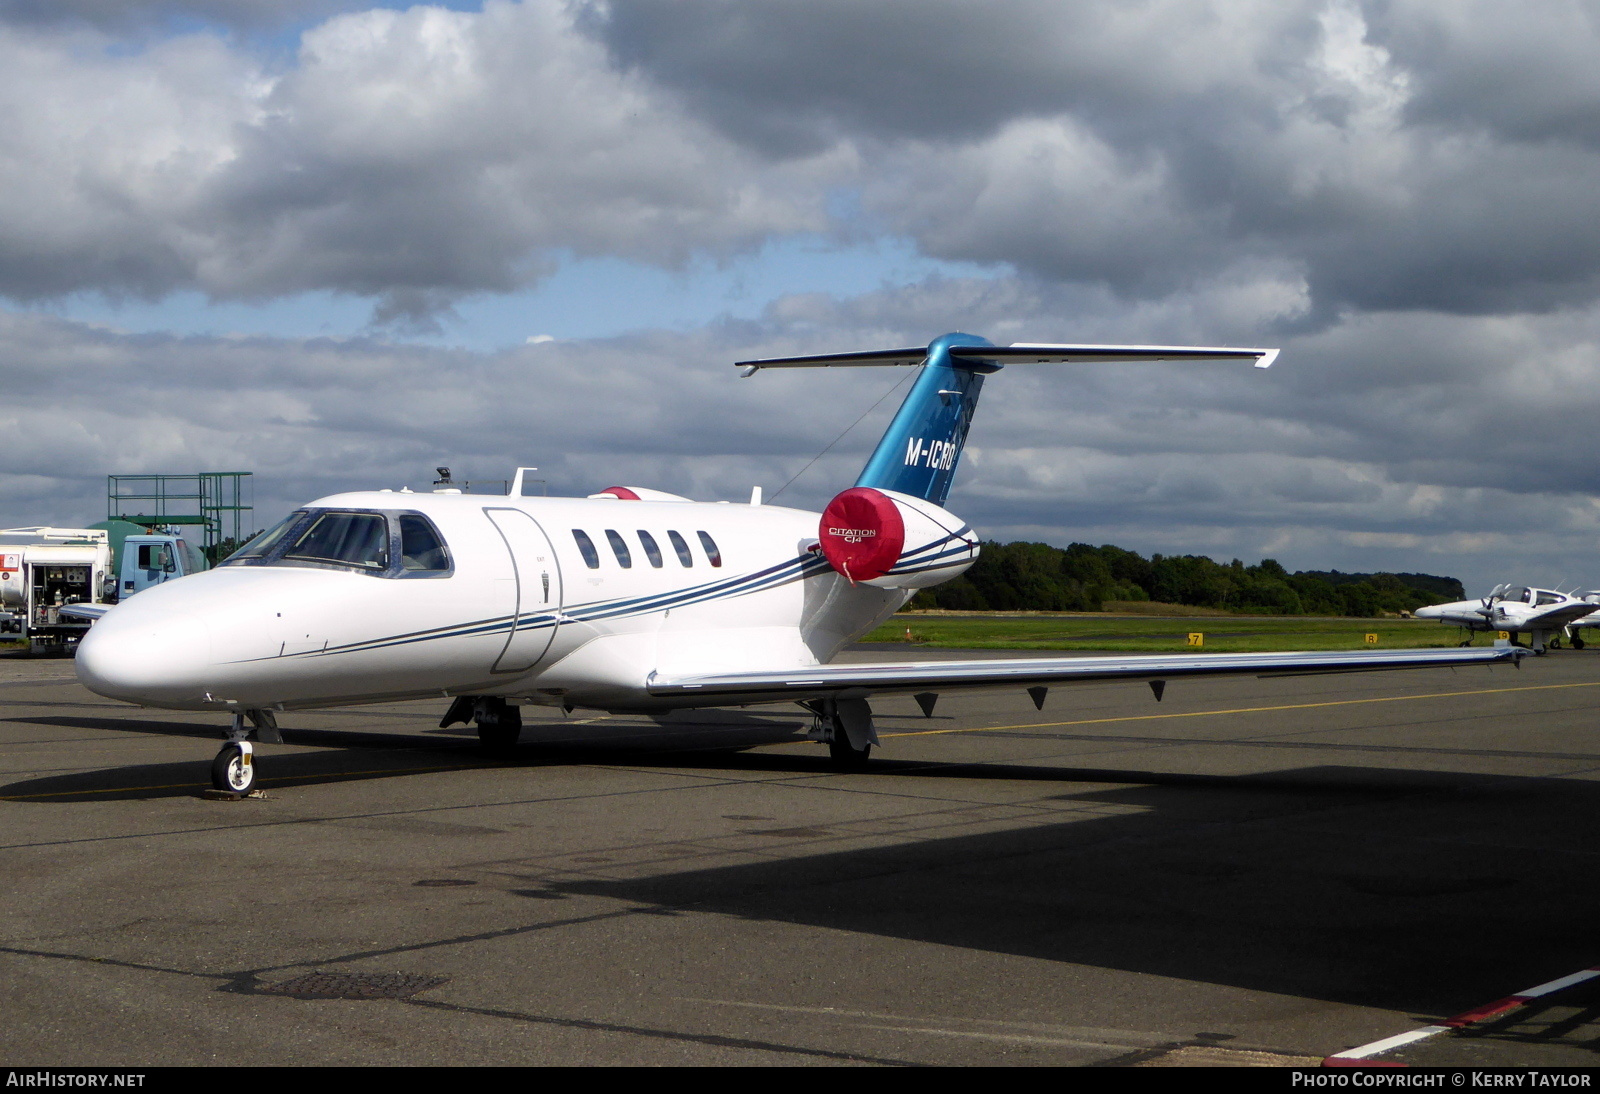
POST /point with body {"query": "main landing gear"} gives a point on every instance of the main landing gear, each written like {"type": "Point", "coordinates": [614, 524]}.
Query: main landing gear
{"type": "Point", "coordinates": [499, 722]}
{"type": "Point", "coordinates": [234, 770]}
{"type": "Point", "coordinates": [845, 726]}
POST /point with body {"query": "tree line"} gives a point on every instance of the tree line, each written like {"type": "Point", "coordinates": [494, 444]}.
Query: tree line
{"type": "Point", "coordinates": [1082, 578]}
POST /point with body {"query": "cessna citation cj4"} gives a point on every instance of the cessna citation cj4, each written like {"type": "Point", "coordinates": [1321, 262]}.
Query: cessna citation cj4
{"type": "Point", "coordinates": [1538, 612]}
{"type": "Point", "coordinates": [630, 600]}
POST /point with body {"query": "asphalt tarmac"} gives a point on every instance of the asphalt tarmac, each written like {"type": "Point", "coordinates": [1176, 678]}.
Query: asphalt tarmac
{"type": "Point", "coordinates": [1250, 872]}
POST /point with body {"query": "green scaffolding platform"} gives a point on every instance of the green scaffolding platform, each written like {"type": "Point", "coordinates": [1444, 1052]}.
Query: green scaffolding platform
{"type": "Point", "coordinates": [221, 502]}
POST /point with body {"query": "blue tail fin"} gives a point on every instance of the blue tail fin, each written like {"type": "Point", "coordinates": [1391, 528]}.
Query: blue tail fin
{"type": "Point", "coordinates": [919, 451]}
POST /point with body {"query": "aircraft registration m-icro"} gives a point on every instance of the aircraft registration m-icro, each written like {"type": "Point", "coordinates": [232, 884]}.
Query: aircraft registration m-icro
{"type": "Point", "coordinates": [630, 600]}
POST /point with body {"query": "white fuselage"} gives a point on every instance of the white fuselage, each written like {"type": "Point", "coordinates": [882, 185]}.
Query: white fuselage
{"type": "Point", "coordinates": [521, 613]}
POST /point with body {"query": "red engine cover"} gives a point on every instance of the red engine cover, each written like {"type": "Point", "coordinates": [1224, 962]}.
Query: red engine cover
{"type": "Point", "coordinates": [862, 533]}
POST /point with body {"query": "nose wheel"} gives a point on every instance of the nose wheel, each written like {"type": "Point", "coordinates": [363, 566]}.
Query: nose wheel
{"type": "Point", "coordinates": [234, 769]}
{"type": "Point", "coordinates": [233, 772]}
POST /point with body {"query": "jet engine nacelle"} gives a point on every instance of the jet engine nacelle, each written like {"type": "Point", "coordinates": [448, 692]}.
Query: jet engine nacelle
{"type": "Point", "coordinates": [893, 540]}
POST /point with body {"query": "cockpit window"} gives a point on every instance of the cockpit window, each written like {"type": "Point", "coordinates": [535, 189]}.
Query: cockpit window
{"type": "Point", "coordinates": [420, 546]}
{"type": "Point", "coordinates": [353, 539]}
{"type": "Point", "coordinates": [383, 544]}
{"type": "Point", "coordinates": [1517, 594]}
{"type": "Point", "coordinates": [266, 541]}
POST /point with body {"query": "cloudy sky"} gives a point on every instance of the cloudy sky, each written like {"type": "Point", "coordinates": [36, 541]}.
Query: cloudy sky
{"type": "Point", "coordinates": [340, 243]}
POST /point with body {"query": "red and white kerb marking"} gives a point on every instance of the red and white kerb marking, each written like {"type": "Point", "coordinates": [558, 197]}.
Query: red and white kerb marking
{"type": "Point", "coordinates": [1360, 1057]}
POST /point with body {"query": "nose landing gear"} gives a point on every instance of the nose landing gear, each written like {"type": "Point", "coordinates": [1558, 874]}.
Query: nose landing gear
{"type": "Point", "coordinates": [233, 772]}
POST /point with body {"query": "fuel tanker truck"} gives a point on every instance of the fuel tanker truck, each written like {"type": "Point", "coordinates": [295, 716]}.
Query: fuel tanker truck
{"type": "Point", "coordinates": [43, 570]}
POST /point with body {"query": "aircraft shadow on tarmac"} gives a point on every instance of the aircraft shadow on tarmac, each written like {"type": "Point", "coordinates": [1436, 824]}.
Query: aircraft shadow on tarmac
{"type": "Point", "coordinates": [1419, 894]}
{"type": "Point", "coordinates": [1403, 889]}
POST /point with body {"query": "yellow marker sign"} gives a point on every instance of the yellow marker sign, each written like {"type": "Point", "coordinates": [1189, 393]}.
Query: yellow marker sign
{"type": "Point", "coordinates": [1196, 638]}
{"type": "Point", "coordinates": [1372, 640]}
{"type": "Point", "coordinates": [1504, 636]}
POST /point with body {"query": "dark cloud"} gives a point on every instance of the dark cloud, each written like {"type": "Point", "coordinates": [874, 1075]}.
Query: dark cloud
{"type": "Point", "coordinates": [1428, 156]}
{"type": "Point", "coordinates": [1523, 73]}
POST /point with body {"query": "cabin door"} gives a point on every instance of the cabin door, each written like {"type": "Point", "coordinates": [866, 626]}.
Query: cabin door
{"type": "Point", "coordinates": [535, 593]}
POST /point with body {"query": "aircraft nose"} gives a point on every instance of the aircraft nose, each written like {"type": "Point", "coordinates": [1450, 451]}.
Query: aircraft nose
{"type": "Point", "coordinates": [141, 657]}
{"type": "Point", "coordinates": [1429, 612]}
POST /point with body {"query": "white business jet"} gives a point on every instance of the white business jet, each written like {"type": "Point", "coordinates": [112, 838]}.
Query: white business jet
{"type": "Point", "coordinates": [630, 600]}
{"type": "Point", "coordinates": [1539, 613]}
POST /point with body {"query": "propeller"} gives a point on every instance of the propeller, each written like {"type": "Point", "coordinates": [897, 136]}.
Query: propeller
{"type": "Point", "coordinates": [1484, 606]}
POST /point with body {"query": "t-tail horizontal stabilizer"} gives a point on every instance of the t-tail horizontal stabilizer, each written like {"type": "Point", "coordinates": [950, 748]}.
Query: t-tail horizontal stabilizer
{"type": "Point", "coordinates": [920, 449]}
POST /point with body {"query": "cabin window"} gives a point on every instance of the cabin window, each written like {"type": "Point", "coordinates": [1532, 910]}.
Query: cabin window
{"type": "Point", "coordinates": [680, 545]}
{"type": "Point", "coordinates": [1548, 597]}
{"type": "Point", "coordinates": [591, 557]}
{"type": "Point", "coordinates": [348, 539]}
{"type": "Point", "coordinates": [713, 555]}
{"type": "Point", "coordinates": [651, 551]}
{"type": "Point", "coordinates": [619, 547]}
{"type": "Point", "coordinates": [421, 549]}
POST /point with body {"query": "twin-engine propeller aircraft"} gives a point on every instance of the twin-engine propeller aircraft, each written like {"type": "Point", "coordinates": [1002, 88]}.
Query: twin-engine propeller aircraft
{"type": "Point", "coordinates": [630, 600]}
{"type": "Point", "coordinates": [1539, 613]}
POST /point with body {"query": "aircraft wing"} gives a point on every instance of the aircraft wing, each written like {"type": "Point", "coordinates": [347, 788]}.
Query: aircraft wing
{"type": "Point", "coordinates": [1465, 617]}
{"type": "Point", "coordinates": [1559, 616]}
{"type": "Point", "coordinates": [862, 680]}
{"type": "Point", "coordinates": [86, 612]}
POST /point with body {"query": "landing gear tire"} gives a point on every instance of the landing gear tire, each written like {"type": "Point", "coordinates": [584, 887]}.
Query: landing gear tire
{"type": "Point", "coordinates": [844, 757]}
{"type": "Point", "coordinates": [499, 727]}
{"type": "Point", "coordinates": [234, 770]}
{"type": "Point", "coordinates": [1576, 642]}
